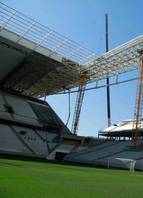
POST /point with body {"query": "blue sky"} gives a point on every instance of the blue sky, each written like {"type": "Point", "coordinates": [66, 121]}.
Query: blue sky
{"type": "Point", "coordinates": [83, 21]}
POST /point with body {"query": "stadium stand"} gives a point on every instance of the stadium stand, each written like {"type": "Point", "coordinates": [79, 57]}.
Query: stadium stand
{"type": "Point", "coordinates": [60, 151]}
{"type": "Point", "coordinates": [106, 154]}
{"type": "Point", "coordinates": [28, 126]}
{"type": "Point", "coordinates": [36, 62]}
{"type": "Point", "coordinates": [9, 142]}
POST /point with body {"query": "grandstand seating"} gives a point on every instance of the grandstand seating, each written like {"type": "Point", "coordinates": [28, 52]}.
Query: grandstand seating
{"type": "Point", "coordinates": [28, 127]}
{"type": "Point", "coordinates": [32, 140]}
{"type": "Point", "coordinates": [106, 154]}
{"type": "Point", "coordinates": [48, 117]}
{"type": "Point", "coordinates": [62, 148]}
{"type": "Point", "coordinates": [91, 149]}
{"type": "Point", "coordinates": [22, 111]}
{"type": "Point", "coordinates": [9, 142]}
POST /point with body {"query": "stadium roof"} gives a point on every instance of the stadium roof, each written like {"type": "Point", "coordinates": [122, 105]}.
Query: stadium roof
{"type": "Point", "coordinates": [38, 61]}
{"type": "Point", "coordinates": [122, 129]}
{"type": "Point", "coordinates": [119, 60]}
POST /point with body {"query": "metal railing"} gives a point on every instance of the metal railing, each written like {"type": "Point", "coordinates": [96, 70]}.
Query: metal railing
{"type": "Point", "coordinates": [41, 35]}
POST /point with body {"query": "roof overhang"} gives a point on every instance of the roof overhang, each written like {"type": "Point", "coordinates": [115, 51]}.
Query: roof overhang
{"type": "Point", "coordinates": [33, 72]}
{"type": "Point", "coordinates": [37, 61]}
{"type": "Point", "coordinates": [124, 133]}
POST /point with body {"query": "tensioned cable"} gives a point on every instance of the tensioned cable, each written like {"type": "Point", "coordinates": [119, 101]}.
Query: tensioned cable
{"type": "Point", "coordinates": [69, 108]}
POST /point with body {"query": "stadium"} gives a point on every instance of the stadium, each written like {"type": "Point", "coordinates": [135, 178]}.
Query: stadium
{"type": "Point", "coordinates": [40, 155]}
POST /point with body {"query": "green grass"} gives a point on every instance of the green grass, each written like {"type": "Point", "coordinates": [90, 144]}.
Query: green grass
{"type": "Point", "coordinates": [20, 179]}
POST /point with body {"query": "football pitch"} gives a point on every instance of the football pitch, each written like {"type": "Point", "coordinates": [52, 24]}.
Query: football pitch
{"type": "Point", "coordinates": [26, 179]}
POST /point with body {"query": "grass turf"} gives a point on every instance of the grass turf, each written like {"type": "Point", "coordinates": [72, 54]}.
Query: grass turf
{"type": "Point", "coordinates": [21, 179]}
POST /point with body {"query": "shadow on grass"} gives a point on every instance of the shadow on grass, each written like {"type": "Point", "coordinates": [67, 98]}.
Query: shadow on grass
{"type": "Point", "coordinates": [4, 193]}
{"type": "Point", "coordinates": [10, 164]}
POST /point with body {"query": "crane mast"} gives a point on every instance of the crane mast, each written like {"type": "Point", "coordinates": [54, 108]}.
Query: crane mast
{"type": "Point", "coordinates": [138, 109]}
{"type": "Point", "coordinates": [84, 77]}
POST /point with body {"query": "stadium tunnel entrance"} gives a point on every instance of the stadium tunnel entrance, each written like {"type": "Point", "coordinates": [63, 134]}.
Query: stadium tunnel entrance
{"type": "Point", "coordinates": [60, 156]}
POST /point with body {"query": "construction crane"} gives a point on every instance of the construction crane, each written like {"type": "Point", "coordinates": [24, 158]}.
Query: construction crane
{"type": "Point", "coordinates": [138, 108]}
{"type": "Point", "coordinates": [84, 77]}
